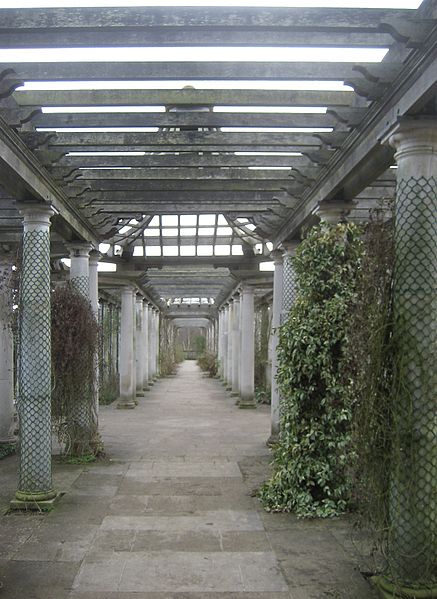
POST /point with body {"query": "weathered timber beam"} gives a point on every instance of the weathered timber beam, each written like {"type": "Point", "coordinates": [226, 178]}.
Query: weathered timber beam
{"type": "Point", "coordinates": [108, 187]}
{"type": "Point", "coordinates": [141, 263]}
{"type": "Point", "coordinates": [192, 119]}
{"type": "Point", "coordinates": [171, 97]}
{"type": "Point", "coordinates": [190, 174]}
{"type": "Point", "coordinates": [24, 178]}
{"type": "Point", "coordinates": [318, 19]}
{"type": "Point", "coordinates": [183, 139]}
{"type": "Point", "coordinates": [362, 159]}
{"type": "Point", "coordinates": [183, 160]}
{"type": "Point", "coordinates": [160, 36]}
{"type": "Point", "coordinates": [110, 71]}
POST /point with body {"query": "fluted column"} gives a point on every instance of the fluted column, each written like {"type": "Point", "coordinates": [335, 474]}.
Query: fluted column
{"type": "Point", "coordinates": [236, 347]}
{"type": "Point", "coordinates": [247, 378]}
{"type": "Point", "coordinates": [276, 321]}
{"type": "Point", "coordinates": [34, 373]}
{"type": "Point", "coordinates": [146, 349]}
{"type": "Point", "coordinates": [225, 343]}
{"type": "Point", "coordinates": [230, 355]}
{"type": "Point", "coordinates": [139, 346]}
{"type": "Point", "coordinates": [127, 366]}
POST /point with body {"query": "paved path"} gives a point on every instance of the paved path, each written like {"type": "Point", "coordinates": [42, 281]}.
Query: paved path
{"type": "Point", "coordinates": [171, 516]}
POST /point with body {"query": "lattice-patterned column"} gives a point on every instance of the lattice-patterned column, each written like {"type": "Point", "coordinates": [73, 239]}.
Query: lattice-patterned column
{"type": "Point", "coordinates": [139, 346]}
{"type": "Point", "coordinates": [247, 366]}
{"type": "Point", "coordinates": [146, 348]}
{"type": "Point", "coordinates": [276, 321]}
{"type": "Point", "coordinates": [6, 351]}
{"type": "Point", "coordinates": [412, 550]}
{"type": "Point", "coordinates": [127, 365]}
{"type": "Point", "coordinates": [34, 372]}
{"type": "Point", "coordinates": [236, 347]}
{"type": "Point", "coordinates": [94, 301]}
{"type": "Point", "coordinates": [289, 279]}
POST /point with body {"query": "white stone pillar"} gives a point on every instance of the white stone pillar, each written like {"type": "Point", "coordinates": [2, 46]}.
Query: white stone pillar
{"type": "Point", "coordinates": [146, 348]}
{"type": "Point", "coordinates": [220, 342]}
{"type": "Point", "coordinates": [236, 347]}
{"type": "Point", "coordinates": [230, 345]}
{"type": "Point", "coordinates": [94, 301]}
{"type": "Point", "coordinates": [225, 343]}
{"type": "Point", "coordinates": [151, 347]}
{"type": "Point", "coordinates": [6, 354]}
{"type": "Point", "coordinates": [139, 346]}
{"type": "Point", "coordinates": [34, 374]}
{"type": "Point", "coordinates": [156, 344]}
{"type": "Point", "coordinates": [247, 379]}
{"type": "Point", "coordinates": [126, 367]}
{"type": "Point", "coordinates": [276, 321]}
{"type": "Point", "coordinates": [79, 268]}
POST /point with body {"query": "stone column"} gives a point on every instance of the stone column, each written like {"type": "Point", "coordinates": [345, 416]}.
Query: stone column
{"type": "Point", "coordinates": [126, 367]}
{"type": "Point", "coordinates": [151, 347]}
{"type": "Point", "coordinates": [276, 321]}
{"type": "Point", "coordinates": [220, 343]}
{"type": "Point", "coordinates": [146, 349]}
{"type": "Point", "coordinates": [79, 268]}
{"type": "Point", "coordinates": [412, 550]}
{"type": "Point", "coordinates": [157, 344]}
{"type": "Point", "coordinates": [6, 352]}
{"type": "Point", "coordinates": [139, 346]}
{"type": "Point", "coordinates": [34, 373]}
{"type": "Point", "coordinates": [94, 301]}
{"type": "Point", "coordinates": [288, 278]}
{"type": "Point", "coordinates": [225, 343]}
{"type": "Point", "coordinates": [230, 345]}
{"type": "Point", "coordinates": [247, 378]}
{"type": "Point", "coordinates": [236, 347]}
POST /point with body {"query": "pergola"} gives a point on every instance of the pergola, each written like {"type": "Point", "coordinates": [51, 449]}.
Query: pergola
{"type": "Point", "coordinates": [184, 150]}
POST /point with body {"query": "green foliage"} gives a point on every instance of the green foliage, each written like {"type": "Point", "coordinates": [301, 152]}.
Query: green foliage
{"type": "Point", "coordinates": [199, 344]}
{"type": "Point", "coordinates": [74, 349]}
{"type": "Point", "coordinates": [208, 362]}
{"type": "Point", "coordinates": [7, 449]}
{"type": "Point", "coordinates": [167, 348]}
{"type": "Point", "coordinates": [310, 468]}
{"type": "Point", "coordinates": [262, 334]}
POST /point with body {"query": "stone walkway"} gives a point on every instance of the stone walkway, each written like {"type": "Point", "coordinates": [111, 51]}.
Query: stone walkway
{"type": "Point", "coordinates": [171, 514]}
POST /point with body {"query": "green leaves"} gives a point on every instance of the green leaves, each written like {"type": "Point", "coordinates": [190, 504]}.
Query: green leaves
{"type": "Point", "coordinates": [310, 474]}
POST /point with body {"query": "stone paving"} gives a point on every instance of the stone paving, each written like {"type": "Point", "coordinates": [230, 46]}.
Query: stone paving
{"type": "Point", "coordinates": [170, 514]}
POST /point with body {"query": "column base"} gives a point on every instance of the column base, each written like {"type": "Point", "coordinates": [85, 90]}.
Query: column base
{"type": "Point", "coordinates": [126, 405]}
{"type": "Point", "coordinates": [272, 440]}
{"type": "Point", "coordinates": [247, 404]}
{"type": "Point", "coordinates": [388, 590]}
{"type": "Point", "coordinates": [235, 394]}
{"type": "Point", "coordinates": [39, 502]}
{"type": "Point", "coordinates": [139, 393]}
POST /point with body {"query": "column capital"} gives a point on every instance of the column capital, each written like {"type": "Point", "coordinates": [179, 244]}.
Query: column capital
{"type": "Point", "coordinates": [36, 214]}
{"type": "Point", "coordinates": [247, 288]}
{"type": "Point", "coordinates": [276, 256]}
{"type": "Point", "coordinates": [289, 247]}
{"type": "Point", "coordinates": [412, 131]}
{"type": "Point", "coordinates": [333, 212]}
{"type": "Point", "coordinates": [95, 257]}
{"type": "Point", "coordinates": [79, 249]}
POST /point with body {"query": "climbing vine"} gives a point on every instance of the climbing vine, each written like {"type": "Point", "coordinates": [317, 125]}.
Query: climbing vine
{"type": "Point", "coordinates": [74, 347]}
{"type": "Point", "coordinates": [310, 466]}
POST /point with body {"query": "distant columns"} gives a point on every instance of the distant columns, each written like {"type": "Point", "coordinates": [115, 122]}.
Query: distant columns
{"type": "Point", "coordinates": [276, 321]}
{"type": "Point", "coordinates": [127, 390]}
{"type": "Point", "coordinates": [236, 347]}
{"type": "Point", "coordinates": [247, 378]}
{"type": "Point", "coordinates": [6, 353]}
{"type": "Point", "coordinates": [34, 373]}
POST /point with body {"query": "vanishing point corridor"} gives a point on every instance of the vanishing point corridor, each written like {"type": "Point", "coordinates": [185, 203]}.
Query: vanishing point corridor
{"type": "Point", "coordinates": [170, 514]}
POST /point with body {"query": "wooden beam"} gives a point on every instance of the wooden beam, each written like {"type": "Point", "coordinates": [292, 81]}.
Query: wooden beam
{"type": "Point", "coordinates": [181, 97]}
{"type": "Point", "coordinates": [189, 174]}
{"type": "Point", "coordinates": [175, 119]}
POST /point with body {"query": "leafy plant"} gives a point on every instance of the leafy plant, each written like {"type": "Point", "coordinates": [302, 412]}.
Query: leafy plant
{"type": "Point", "coordinates": [311, 461]}
{"type": "Point", "coordinates": [208, 363]}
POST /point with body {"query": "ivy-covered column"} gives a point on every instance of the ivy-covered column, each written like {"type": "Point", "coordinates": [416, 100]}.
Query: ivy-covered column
{"type": "Point", "coordinates": [34, 372]}
{"type": "Point", "coordinates": [247, 376]}
{"type": "Point", "coordinates": [126, 368]}
{"type": "Point", "coordinates": [412, 550]}
{"type": "Point", "coordinates": [94, 301]}
{"type": "Point", "coordinates": [139, 346]}
{"type": "Point", "coordinates": [145, 345]}
{"type": "Point", "coordinates": [236, 347]}
{"type": "Point", "coordinates": [276, 321]}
